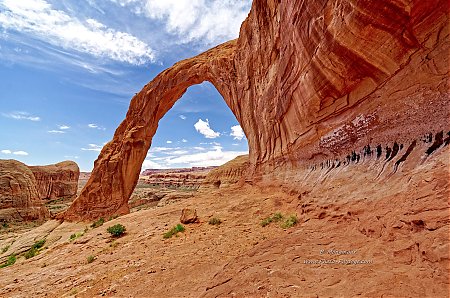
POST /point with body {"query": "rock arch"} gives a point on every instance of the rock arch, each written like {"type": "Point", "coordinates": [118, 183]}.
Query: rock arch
{"type": "Point", "coordinates": [116, 171]}
{"type": "Point", "coordinates": [307, 81]}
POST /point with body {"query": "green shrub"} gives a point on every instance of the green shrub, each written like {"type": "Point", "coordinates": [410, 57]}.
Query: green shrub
{"type": "Point", "coordinates": [39, 244]}
{"type": "Point", "coordinates": [276, 217]}
{"type": "Point", "coordinates": [5, 225]}
{"type": "Point", "coordinates": [290, 222]}
{"type": "Point", "coordinates": [214, 221]}
{"type": "Point", "coordinates": [98, 223]}
{"type": "Point", "coordinates": [175, 230]}
{"type": "Point", "coordinates": [30, 253]}
{"type": "Point", "coordinates": [34, 250]}
{"type": "Point", "coordinates": [11, 260]}
{"type": "Point", "coordinates": [90, 259]}
{"type": "Point", "coordinates": [75, 236]}
{"type": "Point", "coordinates": [113, 217]}
{"type": "Point", "coordinates": [116, 230]}
{"type": "Point", "coordinates": [5, 249]}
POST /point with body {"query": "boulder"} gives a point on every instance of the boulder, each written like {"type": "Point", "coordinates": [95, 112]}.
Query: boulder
{"type": "Point", "coordinates": [189, 216]}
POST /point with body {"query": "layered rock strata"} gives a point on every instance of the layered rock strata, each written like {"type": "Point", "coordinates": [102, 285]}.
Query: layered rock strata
{"type": "Point", "coordinates": [19, 198]}
{"type": "Point", "coordinates": [307, 81]}
{"type": "Point", "coordinates": [57, 181]}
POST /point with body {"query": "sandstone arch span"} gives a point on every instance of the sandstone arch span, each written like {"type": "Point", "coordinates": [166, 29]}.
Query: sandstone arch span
{"type": "Point", "coordinates": [117, 169]}
{"type": "Point", "coordinates": [307, 81]}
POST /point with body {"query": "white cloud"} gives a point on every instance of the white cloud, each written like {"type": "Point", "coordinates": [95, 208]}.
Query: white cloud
{"type": "Point", "coordinates": [169, 142]}
{"type": "Point", "coordinates": [237, 133]}
{"type": "Point", "coordinates": [149, 164]}
{"type": "Point", "coordinates": [184, 140]}
{"type": "Point", "coordinates": [209, 158]}
{"type": "Point", "coordinates": [93, 147]}
{"type": "Point", "coordinates": [23, 153]}
{"type": "Point", "coordinates": [96, 126]}
{"type": "Point", "coordinates": [56, 131]}
{"type": "Point", "coordinates": [20, 152]}
{"type": "Point", "coordinates": [203, 128]}
{"type": "Point", "coordinates": [182, 117]}
{"type": "Point", "coordinates": [210, 21]}
{"type": "Point", "coordinates": [63, 127]}
{"type": "Point", "coordinates": [21, 116]}
{"type": "Point", "coordinates": [38, 19]}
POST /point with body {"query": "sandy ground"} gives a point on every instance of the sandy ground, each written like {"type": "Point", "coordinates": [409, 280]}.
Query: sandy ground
{"type": "Point", "coordinates": [356, 236]}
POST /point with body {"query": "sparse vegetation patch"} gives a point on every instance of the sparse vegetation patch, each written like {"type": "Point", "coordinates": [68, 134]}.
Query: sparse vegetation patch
{"type": "Point", "coordinates": [98, 223]}
{"type": "Point", "coordinates": [90, 259]}
{"type": "Point", "coordinates": [116, 230]}
{"type": "Point", "coordinates": [76, 236]}
{"type": "Point", "coordinates": [174, 231]}
{"type": "Point", "coordinates": [11, 260]}
{"type": "Point", "coordinates": [286, 222]}
{"type": "Point", "coordinates": [34, 250]}
{"type": "Point", "coordinates": [214, 221]}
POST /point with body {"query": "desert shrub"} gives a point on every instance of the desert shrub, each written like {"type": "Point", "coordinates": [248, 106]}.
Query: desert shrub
{"type": "Point", "coordinates": [90, 259]}
{"type": "Point", "coordinates": [276, 217]}
{"type": "Point", "coordinates": [30, 253]}
{"type": "Point", "coordinates": [175, 230]}
{"type": "Point", "coordinates": [290, 222]}
{"type": "Point", "coordinates": [5, 249]}
{"type": "Point", "coordinates": [113, 217]}
{"type": "Point", "coordinates": [38, 244]}
{"type": "Point", "coordinates": [34, 250]}
{"type": "Point", "coordinates": [116, 230]}
{"type": "Point", "coordinates": [11, 260]}
{"type": "Point", "coordinates": [75, 236]}
{"type": "Point", "coordinates": [279, 217]}
{"type": "Point", "coordinates": [5, 225]}
{"type": "Point", "coordinates": [98, 223]}
{"type": "Point", "coordinates": [214, 221]}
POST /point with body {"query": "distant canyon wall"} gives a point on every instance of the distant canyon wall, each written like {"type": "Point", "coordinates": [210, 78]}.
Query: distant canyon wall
{"type": "Point", "coordinates": [309, 82]}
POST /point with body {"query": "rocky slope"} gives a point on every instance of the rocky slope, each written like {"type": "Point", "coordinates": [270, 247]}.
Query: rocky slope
{"type": "Point", "coordinates": [19, 198]}
{"type": "Point", "coordinates": [395, 221]}
{"type": "Point", "coordinates": [228, 174]}
{"type": "Point", "coordinates": [307, 81]}
{"type": "Point", "coordinates": [57, 181]}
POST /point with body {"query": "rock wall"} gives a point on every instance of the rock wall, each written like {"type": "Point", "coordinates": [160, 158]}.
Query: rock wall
{"type": "Point", "coordinates": [19, 198]}
{"type": "Point", "coordinates": [231, 173]}
{"type": "Point", "coordinates": [308, 81]}
{"type": "Point", "coordinates": [57, 181]}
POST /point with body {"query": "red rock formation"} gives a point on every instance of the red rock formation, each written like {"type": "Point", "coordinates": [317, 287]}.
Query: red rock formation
{"type": "Point", "coordinates": [307, 81]}
{"type": "Point", "coordinates": [19, 198]}
{"type": "Point", "coordinates": [57, 181]}
{"type": "Point", "coordinates": [228, 174]}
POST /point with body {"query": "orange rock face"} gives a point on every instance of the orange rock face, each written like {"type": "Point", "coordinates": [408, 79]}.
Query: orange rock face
{"type": "Point", "coordinates": [57, 181]}
{"type": "Point", "coordinates": [307, 81]}
{"type": "Point", "coordinates": [19, 198]}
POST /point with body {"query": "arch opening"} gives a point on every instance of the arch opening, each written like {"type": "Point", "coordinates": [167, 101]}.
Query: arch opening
{"type": "Point", "coordinates": [116, 170]}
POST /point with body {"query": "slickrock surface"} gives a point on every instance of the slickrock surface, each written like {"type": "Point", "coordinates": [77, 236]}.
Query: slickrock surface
{"type": "Point", "coordinates": [307, 81]}
{"type": "Point", "coordinates": [57, 181]}
{"type": "Point", "coordinates": [19, 198]}
{"type": "Point", "coordinates": [228, 174]}
{"type": "Point", "coordinates": [394, 219]}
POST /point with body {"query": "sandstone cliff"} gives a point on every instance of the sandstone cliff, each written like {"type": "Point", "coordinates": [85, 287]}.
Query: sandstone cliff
{"type": "Point", "coordinates": [57, 180]}
{"type": "Point", "coordinates": [228, 174]}
{"type": "Point", "coordinates": [309, 82]}
{"type": "Point", "coordinates": [19, 198]}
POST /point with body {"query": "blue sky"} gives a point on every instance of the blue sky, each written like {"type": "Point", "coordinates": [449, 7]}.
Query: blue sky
{"type": "Point", "coordinates": [68, 69]}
